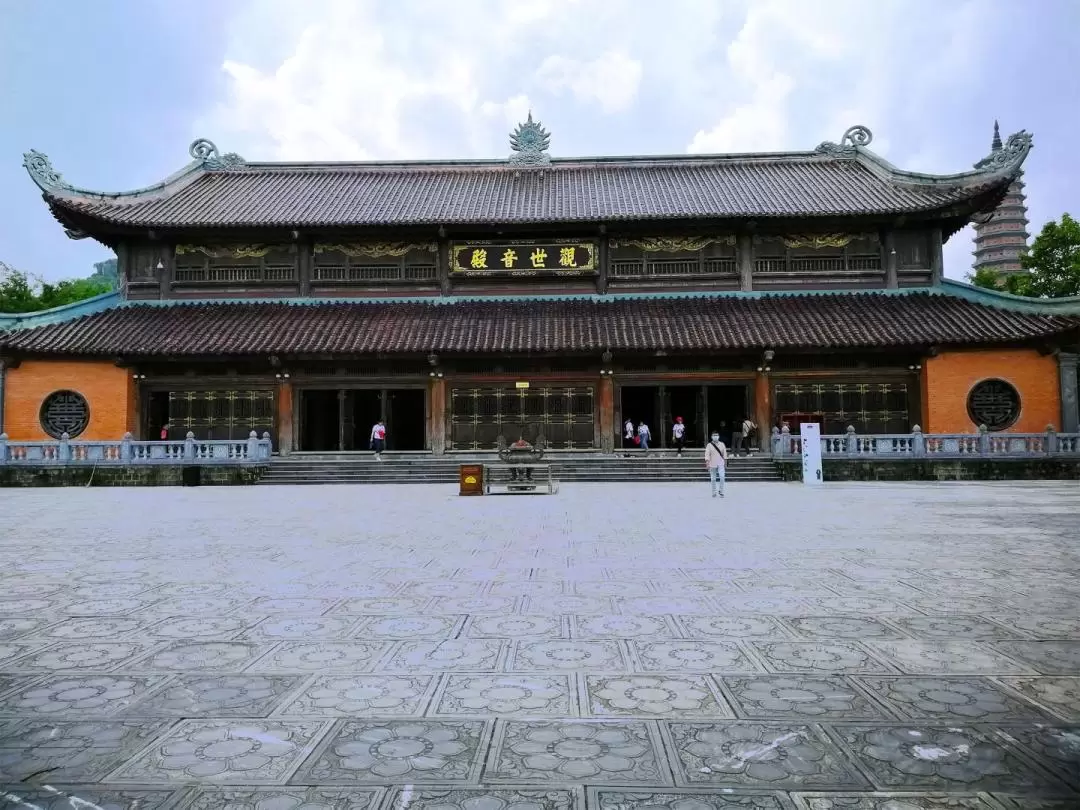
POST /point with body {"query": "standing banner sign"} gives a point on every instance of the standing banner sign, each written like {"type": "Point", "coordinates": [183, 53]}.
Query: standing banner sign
{"type": "Point", "coordinates": [810, 432]}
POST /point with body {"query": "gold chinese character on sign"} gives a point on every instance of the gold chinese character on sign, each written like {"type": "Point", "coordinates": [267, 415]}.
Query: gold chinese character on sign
{"type": "Point", "coordinates": [479, 258]}
{"type": "Point", "coordinates": [538, 257]}
{"type": "Point", "coordinates": [567, 257]}
{"type": "Point", "coordinates": [509, 257]}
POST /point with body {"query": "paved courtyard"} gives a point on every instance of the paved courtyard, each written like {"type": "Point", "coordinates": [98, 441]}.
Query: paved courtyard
{"type": "Point", "coordinates": [612, 647]}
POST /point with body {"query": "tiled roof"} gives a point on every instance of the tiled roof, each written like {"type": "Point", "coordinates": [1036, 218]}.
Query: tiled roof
{"type": "Point", "coordinates": [688, 324]}
{"type": "Point", "coordinates": [358, 195]}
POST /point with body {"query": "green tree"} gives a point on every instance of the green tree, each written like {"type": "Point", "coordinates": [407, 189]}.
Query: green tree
{"type": "Point", "coordinates": [20, 292]}
{"type": "Point", "coordinates": [1052, 265]}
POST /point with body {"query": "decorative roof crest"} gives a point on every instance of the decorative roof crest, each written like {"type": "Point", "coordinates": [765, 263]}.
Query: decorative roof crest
{"type": "Point", "coordinates": [1009, 156]}
{"type": "Point", "coordinates": [206, 152]}
{"type": "Point", "coordinates": [852, 138]}
{"type": "Point", "coordinates": [42, 172]}
{"type": "Point", "coordinates": [529, 143]}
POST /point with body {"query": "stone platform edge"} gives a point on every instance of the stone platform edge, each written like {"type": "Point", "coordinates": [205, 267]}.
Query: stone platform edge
{"type": "Point", "coordinates": [114, 475]}
{"type": "Point", "coordinates": [921, 469]}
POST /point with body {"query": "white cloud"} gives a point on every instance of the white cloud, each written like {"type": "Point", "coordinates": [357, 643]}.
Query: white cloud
{"type": "Point", "coordinates": [611, 79]}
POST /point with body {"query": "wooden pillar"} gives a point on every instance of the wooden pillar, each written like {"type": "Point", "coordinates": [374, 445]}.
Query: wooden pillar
{"type": "Point", "coordinates": [745, 258]}
{"type": "Point", "coordinates": [285, 418]}
{"type": "Point", "coordinates": [607, 413]}
{"type": "Point", "coordinates": [305, 266]}
{"type": "Point", "coordinates": [341, 419]}
{"type": "Point", "coordinates": [442, 269]}
{"type": "Point", "coordinates": [602, 259]}
{"type": "Point", "coordinates": [436, 421]}
{"type": "Point", "coordinates": [937, 260]}
{"type": "Point", "coordinates": [3, 370]}
{"type": "Point", "coordinates": [763, 410]}
{"type": "Point", "coordinates": [891, 280]}
{"type": "Point", "coordinates": [1067, 377]}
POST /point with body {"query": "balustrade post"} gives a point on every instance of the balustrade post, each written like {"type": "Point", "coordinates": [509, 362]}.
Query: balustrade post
{"type": "Point", "coordinates": [984, 440]}
{"type": "Point", "coordinates": [785, 441]}
{"type": "Point", "coordinates": [189, 446]}
{"type": "Point", "coordinates": [125, 448]}
{"type": "Point", "coordinates": [851, 441]}
{"type": "Point", "coordinates": [63, 451]}
{"type": "Point", "coordinates": [1051, 440]}
{"type": "Point", "coordinates": [252, 446]}
{"type": "Point", "coordinates": [3, 448]}
{"type": "Point", "coordinates": [775, 440]}
{"type": "Point", "coordinates": [918, 441]}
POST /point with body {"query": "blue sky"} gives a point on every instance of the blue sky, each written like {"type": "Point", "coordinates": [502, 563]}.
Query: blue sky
{"type": "Point", "coordinates": [115, 90]}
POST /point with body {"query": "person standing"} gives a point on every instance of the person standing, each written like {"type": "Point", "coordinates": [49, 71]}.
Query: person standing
{"type": "Point", "coordinates": [628, 434]}
{"type": "Point", "coordinates": [716, 463]}
{"type": "Point", "coordinates": [678, 433]}
{"type": "Point", "coordinates": [643, 436]}
{"type": "Point", "coordinates": [749, 433]}
{"type": "Point", "coordinates": [378, 439]}
{"type": "Point", "coordinates": [165, 431]}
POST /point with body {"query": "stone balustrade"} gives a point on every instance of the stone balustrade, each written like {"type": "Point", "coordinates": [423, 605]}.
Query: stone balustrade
{"type": "Point", "coordinates": [127, 451]}
{"type": "Point", "coordinates": [917, 444]}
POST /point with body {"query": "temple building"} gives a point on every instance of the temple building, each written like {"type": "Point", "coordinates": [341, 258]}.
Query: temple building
{"type": "Point", "coordinates": [1002, 236]}
{"type": "Point", "coordinates": [537, 296]}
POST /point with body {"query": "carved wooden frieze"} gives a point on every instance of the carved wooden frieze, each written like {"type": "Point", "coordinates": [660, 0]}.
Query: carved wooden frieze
{"type": "Point", "coordinates": [228, 251]}
{"type": "Point", "coordinates": [376, 250]}
{"type": "Point", "coordinates": [676, 244]}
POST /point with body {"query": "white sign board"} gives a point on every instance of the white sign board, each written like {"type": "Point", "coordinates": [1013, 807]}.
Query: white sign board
{"type": "Point", "coordinates": [810, 433]}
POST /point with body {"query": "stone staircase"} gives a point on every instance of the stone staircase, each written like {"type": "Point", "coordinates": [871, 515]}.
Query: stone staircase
{"type": "Point", "coordinates": [331, 468]}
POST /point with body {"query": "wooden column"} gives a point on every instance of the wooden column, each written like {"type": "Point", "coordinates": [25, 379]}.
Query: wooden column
{"type": "Point", "coordinates": [602, 259]}
{"type": "Point", "coordinates": [607, 413]}
{"type": "Point", "coordinates": [763, 411]}
{"type": "Point", "coordinates": [305, 266]}
{"type": "Point", "coordinates": [436, 421]}
{"type": "Point", "coordinates": [285, 418]}
{"type": "Point", "coordinates": [745, 257]}
{"type": "Point", "coordinates": [341, 419]}
{"type": "Point", "coordinates": [890, 260]}
{"type": "Point", "coordinates": [3, 370]}
{"type": "Point", "coordinates": [1070, 408]}
{"type": "Point", "coordinates": [442, 269]}
{"type": "Point", "coordinates": [937, 260]}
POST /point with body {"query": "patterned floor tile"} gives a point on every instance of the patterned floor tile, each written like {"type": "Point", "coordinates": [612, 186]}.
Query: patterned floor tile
{"type": "Point", "coordinates": [922, 757]}
{"type": "Point", "coordinates": [569, 655]}
{"type": "Point", "coordinates": [800, 697]}
{"type": "Point", "coordinates": [473, 605]}
{"type": "Point", "coordinates": [627, 626]}
{"type": "Point", "coordinates": [469, 654]}
{"type": "Point", "coordinates": [623, 799]}
{"type": "Point", "coordinates": [197, 627]}
{"type": "Point", "coordinates": [321, 656]}
{"type": "Point", "coordinates": [189, 656]}
{"type": "Point", "coordinates": [90, 798]}
{"type": "Point", "coordinates": [385, 606]}
{"type": "Point", "coordinates": [653, 696]}
{"type": "Point", "coordinates": [827, 628]}
{"type": "Point", "coordinates": [360, 695]}
{"type": "Point", "coordinates": [443, 587]}
{"type": "Point", "coordinates": [966, 700]}
{"type": "Point", "coordinates": [13, 627]}
{"type": "Point", "coordinates": [1058, 749]}
{"type": "Point", "coordinates": [767, 755]}
{"type": "Point", "coordinates": [94, 627]}
{"type": "Point", "coordinates": [1043, 802]}
{"type": "Point", "coordinates": [505, 695]}
{"type": "Point", "coordinates": [538, 798]}
{"type": "Point", "coordinates": [693, 656]}
{"type": "Point", "coordinates": [275, 628]}
{"type": "Point", "coordinates": [282, 798]}
{"type": "Point", "coordinates": [67, 696]}
{"type": "Point", "coordinates": [79, 751]}
{"type": "Point", "coordinates": [299, 605]}
{"type": "Point", "coordinates": [1061, 695]}
{"type": "Point", "coordinates": [213, 695]}
{"type": "Point", "coordinates": [660, 605]}
{"type": "Point", "coordinates": [817, 656]}
{"type": "Point", "coordinates": [75, 655]}
{"type": "Point", "coordinates": [947, 657]}
{"type": "Point", "coordinates": [890, 801]}
{"type": "Point", "coordinates": [611, 588]}
{"type": "Point", "coordinates": [1048, 657]}
{"type": "Point", "coordinates": [557, 604]}
{"type": "Point", "coordinates": [729, 627]}
{"type": "Point", "coordinates": [406, 751]}
{"type": "Point", "coordinates": [525, 588]}
{"type": "Point", "coordinates": [1046, 628]}
{"type": "Point", "coordinates": [596, 752]}
{"type": "Point", "coordinates": [967, 628]}
{"type": "Point", "coordinates": [224, 751]}
{"type": "Point", "coordinates": [409, 627]}
{"type": "Point", "coordinates": [515, 626]}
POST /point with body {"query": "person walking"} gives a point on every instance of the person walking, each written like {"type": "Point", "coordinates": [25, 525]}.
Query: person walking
{"type": "Point", "coordinates": [378, 439]}
{"type": "Point", "coordinates": [628, 435]}
{"type": "Point", "coordinates": [678, 433]}
{"type": "Point", "coordinates": [643, 436]}
{"type": "Point", "coordinates": [749, 434]}
{"type": "Point", "coordinates": [716, 463]}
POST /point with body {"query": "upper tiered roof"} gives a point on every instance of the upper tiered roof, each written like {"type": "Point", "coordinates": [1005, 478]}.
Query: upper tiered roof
{"type": "Point", "coordinates": [841, 179]}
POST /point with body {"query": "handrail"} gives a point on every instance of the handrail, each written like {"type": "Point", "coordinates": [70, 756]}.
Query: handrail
{"type": "Point", "coordinates": [129, 452]}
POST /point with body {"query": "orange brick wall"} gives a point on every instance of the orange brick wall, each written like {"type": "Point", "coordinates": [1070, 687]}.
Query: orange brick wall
{"type": "Point", "coordinates": [949, 377]}
{"type": "Point", "coordinates": [110, 392]}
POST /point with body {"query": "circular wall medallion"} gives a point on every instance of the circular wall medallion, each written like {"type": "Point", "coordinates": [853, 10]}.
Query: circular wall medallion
{"type": "Point", "coordinates": [994, 403]}
{"type": "Point", "coordinates": [65, 412]}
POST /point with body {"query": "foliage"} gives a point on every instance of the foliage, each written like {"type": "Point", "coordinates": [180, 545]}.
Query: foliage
{"type": "Point", "coordinates": [20, 292]}
{"type": "Point", "coordinates": [1052, 265]}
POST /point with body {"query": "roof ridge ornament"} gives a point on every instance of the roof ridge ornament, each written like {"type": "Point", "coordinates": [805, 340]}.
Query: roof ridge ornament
{"type": "Point", "coordinates": [853, 138]}
{"type": "Point", "coordinates": [41, 171]}
{"type": "Point", "coordinates": [206, 152]}
{"type": "Point", "coordinates": [1007, 157]}
{"type": "Point", "coordinates": [529, 142]}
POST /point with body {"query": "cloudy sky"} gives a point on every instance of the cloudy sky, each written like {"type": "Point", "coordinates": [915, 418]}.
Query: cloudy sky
{"type": "Point", "coordinates": [115, 90]}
